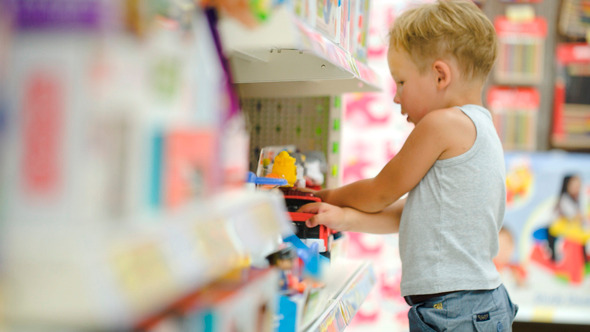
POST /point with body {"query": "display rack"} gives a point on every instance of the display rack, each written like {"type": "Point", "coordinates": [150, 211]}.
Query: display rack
{"type": "Point", "coordinates": [91, 248]}
{"type": "Point", "coordinates": [136, 270]}
{"type": "Point", "coordinates": [520, 53]}
{"type": "Point", "coordinates": [286, 58]}
{"type": "Point", "coordinates": [571, 114]}
{"type": "Point", "coordinates": [514, 110]}
{"type": "Point", "coordinates": [311, 124]}
{"type": "Point", "coordinates": [289, 78]}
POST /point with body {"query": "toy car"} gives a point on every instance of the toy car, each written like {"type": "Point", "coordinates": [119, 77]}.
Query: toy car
{"type": "Point", "coordinates": [320, 234]}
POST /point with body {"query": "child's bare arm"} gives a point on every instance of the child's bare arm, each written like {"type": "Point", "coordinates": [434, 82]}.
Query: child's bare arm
{"type": "Point", "coordinates": [437, 133]}
{"type": "Point", "coordinates": [348, 219]}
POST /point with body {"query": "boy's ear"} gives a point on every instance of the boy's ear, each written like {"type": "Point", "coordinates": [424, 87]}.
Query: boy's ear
{"type": "Point", "coordinates": [442, 72]}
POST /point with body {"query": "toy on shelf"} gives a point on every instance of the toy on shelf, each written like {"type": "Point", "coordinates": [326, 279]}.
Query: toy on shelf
{"type": "Point", "coordinates": [574, 19]}
{"type": "Point", "coordinates": [300, 169]}
{"type": "Point", "coordinates": [299, 283]}
{"type": "Point", "coordinates": [314, 165]}
{"type": "Point", "coordinates": [284, 168]}
{"type": "Point", "coordinates": [267, 156]}
{"type": "Point", "coordinates": [521, 49]}
{"type": "Point", "coordinates": [571, 114]}
{"type": "Point", "coordinates": [252, 181]}
{"type": "Point", "coordinates": [286, 260]}
{"type": "Point", "coordinates": [320, 234]}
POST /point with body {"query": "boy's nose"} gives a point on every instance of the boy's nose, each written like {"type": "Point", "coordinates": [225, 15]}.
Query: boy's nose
{"type": "Point", "coordinates": [396, 99]}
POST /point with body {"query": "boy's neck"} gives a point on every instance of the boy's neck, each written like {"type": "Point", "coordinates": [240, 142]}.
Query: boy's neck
{"type": "Point", "coordinates": [464, 93]}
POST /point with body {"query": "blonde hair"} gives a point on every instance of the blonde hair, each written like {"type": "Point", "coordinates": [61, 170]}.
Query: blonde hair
{"type": "Point", "coordinates": [447, 28]}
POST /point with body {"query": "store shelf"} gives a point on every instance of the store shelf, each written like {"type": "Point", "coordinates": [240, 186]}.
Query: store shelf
{"type": "Point", "coordinates": [348, 283]}
{"type": "Point", "coordinates": [572, 143]}
{"type": "Point", "coordinates": [109, 278]}
{"type": "Point", "coordinates": [284, 57]}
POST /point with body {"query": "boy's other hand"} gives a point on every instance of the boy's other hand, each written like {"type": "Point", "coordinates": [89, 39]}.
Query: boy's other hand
{"type": "Point", "coordinates": [325, 214]}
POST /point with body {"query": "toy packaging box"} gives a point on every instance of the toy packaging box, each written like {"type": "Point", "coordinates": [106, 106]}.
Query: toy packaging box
{"type": "Point", "coordinates": [544, 255]}
{"type": "Point", "coordinates": [520, 52]}
{"type": "Point", "coordinates": [328, 19]}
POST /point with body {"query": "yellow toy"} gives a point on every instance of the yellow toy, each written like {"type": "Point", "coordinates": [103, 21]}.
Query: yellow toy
{"type": "Point", "coordinates": [284, 168]}
{"type": "Point", "coordinates": [571, 229]}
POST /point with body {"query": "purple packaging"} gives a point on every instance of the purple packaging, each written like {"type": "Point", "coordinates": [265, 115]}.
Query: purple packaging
{"type": "Point", "coordinates": [41, 14]}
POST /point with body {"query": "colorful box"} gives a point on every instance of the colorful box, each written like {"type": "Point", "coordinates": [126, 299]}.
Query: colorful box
{"type": "Point", "coordinates": [328, 18]}
{"type": "Point", "coordinates": [544, 254]}
{"type": "Point", "coordinates": [515, 110]}
{"type": "Point", "coordinates": [571, 114]}
{"type": "Point", "coordinates": [521, 50]}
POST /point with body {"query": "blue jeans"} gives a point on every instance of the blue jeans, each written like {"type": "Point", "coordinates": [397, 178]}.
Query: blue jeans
{"type": "Point", "coordinates": [480, 310]}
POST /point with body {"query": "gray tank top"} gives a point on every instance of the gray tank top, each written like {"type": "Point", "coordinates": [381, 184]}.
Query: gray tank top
{"type": "Point", "coordinates": [449, 227]}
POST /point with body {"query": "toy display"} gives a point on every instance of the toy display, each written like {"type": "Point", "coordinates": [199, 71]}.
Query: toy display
{"type": "Point", "coordinates": [291, 166]}
{"type": "Point", "coordinates": [515, 111]}
{"type": "Point", "coordinates": [300, 125]}
{"type": "Point", "coordinates": [124, 113]}
{"type": "Point", "coordinates": [544, 254]}
{"type": "Point", "coordinates": [328, 19]}
{"type": "Point", "coordinates": [222, 306]}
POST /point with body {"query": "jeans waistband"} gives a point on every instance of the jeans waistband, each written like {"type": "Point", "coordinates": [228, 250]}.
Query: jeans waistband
{"type": "Point", "coordinates": [415, 299]}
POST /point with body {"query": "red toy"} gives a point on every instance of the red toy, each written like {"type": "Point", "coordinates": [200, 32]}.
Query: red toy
{"type": "Point", "coordinates": [295, 199]}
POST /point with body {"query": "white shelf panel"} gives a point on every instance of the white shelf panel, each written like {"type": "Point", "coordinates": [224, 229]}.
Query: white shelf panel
{"type": "Point", "coordinates": [284, 57]}
{"type": "Point", "coordinates": [303, 88]}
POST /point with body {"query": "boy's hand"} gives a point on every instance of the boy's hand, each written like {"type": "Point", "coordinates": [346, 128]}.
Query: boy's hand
{"type": "Point", "coordinates": [323, 194]}
{"type": "Point", "coordinates": [326, 214]}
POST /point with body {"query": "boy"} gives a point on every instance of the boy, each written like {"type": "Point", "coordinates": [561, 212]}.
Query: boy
{"type": "Point", "coordinates": [451, 166]}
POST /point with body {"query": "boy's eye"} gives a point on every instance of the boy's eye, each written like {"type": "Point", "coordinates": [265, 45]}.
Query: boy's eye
{"type": "Point", "coordinates": [400, 82]}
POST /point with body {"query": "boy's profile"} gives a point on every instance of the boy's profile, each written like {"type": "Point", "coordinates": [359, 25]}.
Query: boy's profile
{"type": "Point", "coordinates": [452, 168]}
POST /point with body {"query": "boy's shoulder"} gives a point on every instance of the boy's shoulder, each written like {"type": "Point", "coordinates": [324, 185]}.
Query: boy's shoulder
{"type": "Point", "coordinates": [454, 129]}
{"type": "Point", "coordinates": [446, 118]}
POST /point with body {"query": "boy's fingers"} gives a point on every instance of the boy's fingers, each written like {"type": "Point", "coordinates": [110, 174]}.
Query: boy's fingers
{"type": "Point", "coordinates": [310, 208]}
{"type": "Point", "coordinates": [313, 208]}
{"type": "Point", "coordinates": [311, 222]}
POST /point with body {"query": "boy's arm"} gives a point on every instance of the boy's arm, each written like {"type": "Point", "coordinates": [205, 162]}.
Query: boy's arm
{"type": "Point", "coordinates": [348, 219]}
{"type": "Point", "coordinates": [429, 139]}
